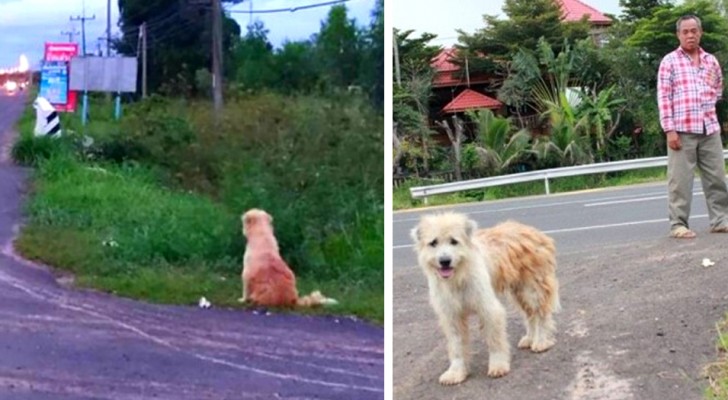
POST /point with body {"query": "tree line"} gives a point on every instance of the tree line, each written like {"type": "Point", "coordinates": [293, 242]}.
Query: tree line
{"type": "Point", "coordinates": [344, 55]}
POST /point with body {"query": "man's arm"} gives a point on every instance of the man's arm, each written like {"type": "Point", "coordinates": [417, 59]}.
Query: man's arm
{"type": "Point", "coordinates": [719, 85]}
{"type": "Point", "coordinates": [664, 103]}
{"type": "Point", "coordinates": [664, 95]}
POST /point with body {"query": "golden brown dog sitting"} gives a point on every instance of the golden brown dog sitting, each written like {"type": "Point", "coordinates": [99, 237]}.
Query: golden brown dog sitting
{"type": "Point", "coordinates": [267, 279]}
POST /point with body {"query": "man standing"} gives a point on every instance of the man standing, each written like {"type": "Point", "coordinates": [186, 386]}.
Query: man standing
{"type": "Point", "coordinates": [689, 83]}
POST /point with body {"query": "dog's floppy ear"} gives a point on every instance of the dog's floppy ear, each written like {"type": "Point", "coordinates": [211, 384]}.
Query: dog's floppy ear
{"type": "Point", "coordinates": [471, 228]}
{"type": "Point", "coordinates": [415, 234]}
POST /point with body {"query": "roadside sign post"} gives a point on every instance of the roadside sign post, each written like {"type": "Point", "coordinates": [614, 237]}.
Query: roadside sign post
{"type": "Point", "coordinates": [55, 73]}
{"type": "Point", "coordinates": [103, 74]}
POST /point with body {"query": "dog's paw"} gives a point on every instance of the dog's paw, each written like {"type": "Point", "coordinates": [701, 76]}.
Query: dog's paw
{"type": "Point", "coordinates": [540, 347]}
{"type": "Point", "coordinates": [525, 342]}
{"type": "Point", "coordinates": [453, 377]}
{"type": "Point", "coordinates": [497, 371]}
{"type": "Point", "coordinates": [242, 300]}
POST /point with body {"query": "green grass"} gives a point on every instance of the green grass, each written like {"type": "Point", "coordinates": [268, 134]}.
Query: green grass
{"type": "Point", "coordinates": [717, 373]}
{"type": "Point", "coordinates": [167, 187]}
{"type": "Point", "coordinates": [171, 247]}
{"type": "Point", "coordinates": [402, 199]}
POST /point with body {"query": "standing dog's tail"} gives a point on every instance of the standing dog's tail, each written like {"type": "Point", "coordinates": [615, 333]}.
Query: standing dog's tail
{"type": "Point", "coordinates": [315, 299]}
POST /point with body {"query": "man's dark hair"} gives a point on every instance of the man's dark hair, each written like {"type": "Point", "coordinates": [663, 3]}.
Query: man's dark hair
{"type": "Point", "coordinates": [685, 18]}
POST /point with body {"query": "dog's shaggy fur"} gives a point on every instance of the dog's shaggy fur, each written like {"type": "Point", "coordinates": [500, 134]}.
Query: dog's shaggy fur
{"type": "Point", "coordinates": [466, 268]}
{"type": "Point", "coordinates": [267, 279]}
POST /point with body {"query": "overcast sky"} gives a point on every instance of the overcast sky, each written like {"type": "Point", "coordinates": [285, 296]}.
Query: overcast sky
{"type": "Point", "coordinates": [26, 24]}
{"type": "Point", "coordinates": [434, 16]}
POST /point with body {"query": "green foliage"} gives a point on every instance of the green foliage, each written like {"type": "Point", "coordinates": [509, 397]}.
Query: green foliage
{"type": "Point", "coordinates": [633, 10]}
{"type": "Point", "coordinates": [171, 192]}
{"type": "Point", "coordinates": [717, 372]}
{"type": "Point", "coordinates": [657, 35]}
{"type": "Point", "coordinates": [527, 21]}
{"type": "Point", "coordinates": [597, 109]}
{"type": "Point", "coordinates": [29, 150]}
{"type": "Point", "coordinates": [415, 53]}
{"type": "Point", "coordinates": [178, 37]}
{"type": "Point", "coordinates": [498, 146]}
{"type": "Point", "coordinates": [254, 59]}
{"type": "Point", "coordinates": [338, 48]}
{"type": "Point", "coordinates": [371, 74]}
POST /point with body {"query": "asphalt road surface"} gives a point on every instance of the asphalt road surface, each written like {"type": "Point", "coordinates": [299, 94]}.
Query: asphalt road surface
{"type": "Point", "coordinates": [59, 343]}
{"type": "Point", "coordinates": [639, 309]}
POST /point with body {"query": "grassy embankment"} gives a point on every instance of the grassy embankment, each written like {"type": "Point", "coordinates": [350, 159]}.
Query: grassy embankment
{"type": "Point", "coordinates": [151, 209]}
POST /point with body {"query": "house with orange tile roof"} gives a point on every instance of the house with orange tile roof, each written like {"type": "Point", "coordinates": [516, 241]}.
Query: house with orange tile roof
{"type": "Point", "coordinates": [455, 91]}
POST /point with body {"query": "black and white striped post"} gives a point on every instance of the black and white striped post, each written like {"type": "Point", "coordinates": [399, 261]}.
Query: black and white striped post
{"type": "Point", "coordinates": [47, 121]}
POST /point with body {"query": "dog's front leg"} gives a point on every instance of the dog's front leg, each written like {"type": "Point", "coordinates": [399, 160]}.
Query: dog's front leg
{"type": "Point", "coordinates": [455, 327]}
{"type": "Point", "coordinates": [493, 323]}
{"type": "Point", "coordinates": [244, 299]}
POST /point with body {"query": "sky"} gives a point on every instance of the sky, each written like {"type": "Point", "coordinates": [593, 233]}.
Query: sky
{"type": "Point", "coordinates": [25, 25]}
{"type": "Point", "coordinates": [433, 17]}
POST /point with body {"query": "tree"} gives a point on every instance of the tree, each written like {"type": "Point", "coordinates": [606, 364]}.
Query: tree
{"type": "Point", "coordinates": [411, 99]}
{"type": "Point", "coordinates": [411, 111]}
{"type": "Point", "coordinates": [456, 140]}
{"type": "Point", "coordinates": [254, 58]}
{"type": "Point", "coordinates": [656, 35]}
{"type": "Point", "coordinates": [296, 68]}
{"type": "Point", "coordinates": [527, 21]}
{"type": "Point", "coordinates": [634, 10]}
{"type": "Point", "coordinates": [338, 48]}
{"type": "Point", "coordinates": [597, 109]}
{"type": "Point", "coordinates": [497, 146]}
{"type": "Point", "coordinates": [566, 143]}
{"type": "Point", "coordinates": [178, 38]}
{"type": "Point", "coordinates": [415, 54]}
{"type": "Point", "coordinates": [372, 74]}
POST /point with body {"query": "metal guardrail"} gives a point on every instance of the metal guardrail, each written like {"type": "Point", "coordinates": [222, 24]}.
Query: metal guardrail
{"type": "Point", "coordinates": [421, 192]}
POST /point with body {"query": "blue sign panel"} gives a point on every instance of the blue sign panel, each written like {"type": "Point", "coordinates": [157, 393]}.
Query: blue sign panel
{"type": "Point", "coordinates": [54, 81]}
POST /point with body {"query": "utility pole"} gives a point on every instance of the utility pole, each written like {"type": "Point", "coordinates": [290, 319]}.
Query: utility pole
{"type": "Point", "coordinates": [217, 83]}
{"type": "Point", "coordinates": [108, 28]}
{"type": "Point", "coordinates": [143, 35]}
{"type": "Point", "coordinates": [71, 34]}
{"type": "Point", "coordinates": [83, 29]}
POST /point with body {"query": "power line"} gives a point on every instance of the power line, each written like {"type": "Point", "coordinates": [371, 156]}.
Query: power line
{"type": "Point", "coordinates": [291, 9]}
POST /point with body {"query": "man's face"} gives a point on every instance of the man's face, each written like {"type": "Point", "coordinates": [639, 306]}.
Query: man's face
{"type": "Point", "coordinates": [689, 34]}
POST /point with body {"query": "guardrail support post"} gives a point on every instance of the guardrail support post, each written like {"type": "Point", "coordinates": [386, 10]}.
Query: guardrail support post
{"type": "Point", "coordinates": [424, 199]}
{"type": "Point", "coordinates": [546, 182]}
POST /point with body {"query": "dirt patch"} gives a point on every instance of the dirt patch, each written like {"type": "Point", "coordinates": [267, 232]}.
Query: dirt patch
{"type": "Point", "coordinates": [594, 381]}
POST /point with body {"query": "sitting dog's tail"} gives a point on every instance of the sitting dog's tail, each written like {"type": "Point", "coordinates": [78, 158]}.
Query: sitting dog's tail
{"type": "Point", "coordinates": [315, 299]}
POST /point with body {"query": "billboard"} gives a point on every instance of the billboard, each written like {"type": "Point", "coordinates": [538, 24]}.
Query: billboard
{"type": "Point", "coordinates": [55, 75]}
{"type": "Point", "coordinates": [104, 74]}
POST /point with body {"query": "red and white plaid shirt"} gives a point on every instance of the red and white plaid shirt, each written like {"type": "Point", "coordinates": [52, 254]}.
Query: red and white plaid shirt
{"type": "Point", "coordinates": [686, 94]}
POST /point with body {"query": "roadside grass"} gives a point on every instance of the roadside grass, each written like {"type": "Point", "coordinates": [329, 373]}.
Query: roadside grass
{"type": "Point", "coordinates": [402, 199]}
{"type": "Point", "coordinates": [152, 209]}
{"type": "Point", "coordinates": [717, 372]}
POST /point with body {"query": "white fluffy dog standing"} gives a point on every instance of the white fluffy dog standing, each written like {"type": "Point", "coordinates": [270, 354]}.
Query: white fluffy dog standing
{"type": "Point", "coordinates": [465, 267]}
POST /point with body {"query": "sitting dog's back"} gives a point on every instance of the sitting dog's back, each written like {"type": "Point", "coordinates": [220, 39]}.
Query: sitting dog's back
{"type": "Point", "coordinates": [267, 279]}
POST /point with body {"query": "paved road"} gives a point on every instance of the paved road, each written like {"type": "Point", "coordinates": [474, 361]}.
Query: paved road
{"type": "Point", "coordinates": [58, 343]}
{"type": "Point", "coordinates": [639, 309]}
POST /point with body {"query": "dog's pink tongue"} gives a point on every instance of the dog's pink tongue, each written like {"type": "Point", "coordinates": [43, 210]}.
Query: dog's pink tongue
{"type": "Point", "coordinates": [446, 273]}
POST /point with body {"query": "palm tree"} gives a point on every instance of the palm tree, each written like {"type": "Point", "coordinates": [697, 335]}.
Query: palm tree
{"type": "Point", "coordinates": [498, 147]}
{"type": "Point", "coordinates": [566, 142]}
{"type": "Point", "coordinates": [411, 106]}
{"type": "Point", "coordinates": [597, 109]}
